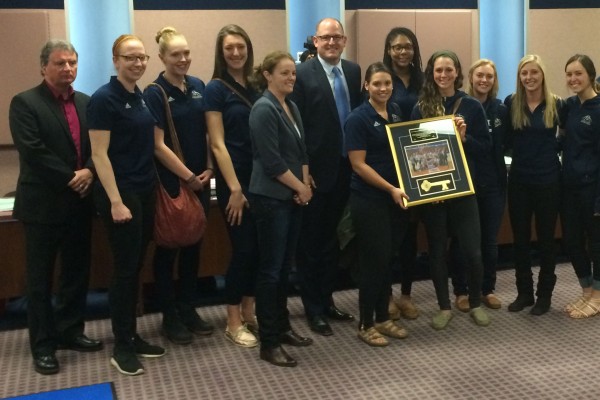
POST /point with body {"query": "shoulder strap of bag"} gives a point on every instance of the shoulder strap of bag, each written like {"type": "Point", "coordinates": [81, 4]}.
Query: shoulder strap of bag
{"type": "Point", "coordinates": [234, 90]}
{"type": "Point", "coordinates": [170, 124]}
{"type": "Point", "coordinates": [456, 105]}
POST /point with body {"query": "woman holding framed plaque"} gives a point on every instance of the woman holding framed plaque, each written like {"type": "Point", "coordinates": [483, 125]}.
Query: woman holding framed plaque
{"type": "Point", "coordinates": [457, 217]}
{"type": "Point", "coordinates": [534, 181]}
{"type": "Point", "coordinates": [376, 204]}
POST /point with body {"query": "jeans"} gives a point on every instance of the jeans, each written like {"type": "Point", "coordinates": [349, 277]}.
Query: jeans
{"type": "Point", "coordinates": [128, 243]}
{"type": "Point", "coordinates": [380, 226]}
{"type": "Point", "coordinates": [581, 233]}
{"type": "Point", "coordinates": [490, 202]}
{"type": "Point", "coordinates": [278, 225]}
{"type": "Point", "coordinates": [240, 279]}
{"type": "Point", "coordinates": [524, 202]}
{"type": "Point", "coordinates": [457, 218]}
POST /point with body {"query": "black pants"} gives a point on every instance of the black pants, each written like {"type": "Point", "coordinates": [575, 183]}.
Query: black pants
{"type": "Point", "coordinates": [318, 255]}
{"type": "Point", "coordinates": [380, 226]}
{"type": "Point", "coordinates": [128, 243]}
{"type": "Point", "coordinates": [526, 201]}
{"type": "Point", "coordinates": [458, 218]}
{"type": "Point", "coordinates": [581, 233]}
{"type": "Point", "coordinates": [240, 279]}
{"type": "Point", "coordinates": [43, 243]}
{"type": "Point", "coordinates": [187, 269]}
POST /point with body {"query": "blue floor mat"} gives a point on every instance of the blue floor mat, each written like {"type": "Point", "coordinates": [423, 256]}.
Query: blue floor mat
{"type": "Point", "coordinates": [100, 391]}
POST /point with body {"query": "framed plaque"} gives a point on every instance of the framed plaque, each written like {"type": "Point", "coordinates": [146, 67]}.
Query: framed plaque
{"type": "Point", "coordinates": [430, 160]}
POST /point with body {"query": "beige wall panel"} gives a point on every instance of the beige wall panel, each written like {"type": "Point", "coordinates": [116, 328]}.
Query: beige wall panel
{"type": "Point", "coordinates": [266, 28]}
{"type": "Point", "coordinates": [451, 30]}
{"type": "Point", "coordinates": [350, 31]}
{"type": "Point", "coordinates": [374, 26]}
{"type": "Point", "coordinates": [556, 35]}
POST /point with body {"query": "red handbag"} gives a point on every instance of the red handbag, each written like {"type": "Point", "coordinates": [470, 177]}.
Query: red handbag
{"type": "Point", "coordinates": [179, 221]}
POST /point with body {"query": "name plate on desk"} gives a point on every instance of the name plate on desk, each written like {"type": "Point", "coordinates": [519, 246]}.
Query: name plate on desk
{"type": "Point", "coordinates": [430, 160]}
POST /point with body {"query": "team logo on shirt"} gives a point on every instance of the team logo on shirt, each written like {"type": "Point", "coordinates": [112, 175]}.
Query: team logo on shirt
{"type": "Point", "coordinates": [170, 99]}
{"type": "Point", "coordinates": [586, 120]}
{"type": "Point", "coordinates": [196, 95]}
{"type": "Point", "coordinates": [127, 106]}
{"type": "Point", "coordinates": [395, 118]}
{"type": "Point", "coordinates": [497, 122]}
{"type": "Point", "coordinates": [376, 124]}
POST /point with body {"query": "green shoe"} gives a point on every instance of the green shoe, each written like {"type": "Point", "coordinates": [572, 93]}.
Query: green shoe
{"type": "Point", "coordinates": [441, 319]}
{"type": "Point", "coordinates": [480, 316]}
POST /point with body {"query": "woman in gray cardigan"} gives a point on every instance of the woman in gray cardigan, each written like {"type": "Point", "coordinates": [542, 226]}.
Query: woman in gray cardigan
{"type": "Point", "coordinates": [279, 186]}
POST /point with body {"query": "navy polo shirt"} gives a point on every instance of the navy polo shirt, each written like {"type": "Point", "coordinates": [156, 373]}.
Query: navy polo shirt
{"type": "Point", "coordinates": [405, 97]}
{"type": "Point", "coordinates": [535, 147]}
{"type": "Point", "coordinates": [478, 146]}
{"type": "Point", "coordinates": [187, 110]}
{"type": "Point", "coordinates": [365, 130]}
{"type": "Point", "coordinates": [581, 144]}
{"type": "Point", "coordinates": [131, 125]}
{"type": "Point", "coordinates": [235, 113]}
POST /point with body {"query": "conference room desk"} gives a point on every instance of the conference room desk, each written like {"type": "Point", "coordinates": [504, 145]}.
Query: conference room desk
{"type": "Point", "coordinates": [214, 256]}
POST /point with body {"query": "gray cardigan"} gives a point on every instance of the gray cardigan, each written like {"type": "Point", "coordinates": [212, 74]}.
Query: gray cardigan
{"type": "Point", "coordinates": [276, 146]}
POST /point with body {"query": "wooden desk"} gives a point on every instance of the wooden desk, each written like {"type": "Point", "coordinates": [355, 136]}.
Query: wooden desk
{"type": "Point", "coordinates": [214, 256]}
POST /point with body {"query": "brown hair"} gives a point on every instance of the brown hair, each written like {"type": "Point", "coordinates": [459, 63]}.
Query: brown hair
{"type": "Point", "coordinates": [430, 100]}
{"type": "Point", "coordinates": [220, 63]}
{"type": "Point", "coordinates": [269, 63]}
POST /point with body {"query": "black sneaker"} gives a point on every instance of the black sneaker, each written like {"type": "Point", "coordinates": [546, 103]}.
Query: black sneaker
{"type": "Point", "coordinates": [127, 364]}
{"type": "Point", "coordinates": [193, 322]}
{"type": "Point", "coordinates": [176, 331]}
{"type": "Point", "coordinates": [145, 349]}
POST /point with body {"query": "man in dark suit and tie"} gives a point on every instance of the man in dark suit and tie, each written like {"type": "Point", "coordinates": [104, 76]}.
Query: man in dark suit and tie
{"type": "Point", "coordinates": [326, 89]}
{"type": "Point", "coordinates": [49, 129]}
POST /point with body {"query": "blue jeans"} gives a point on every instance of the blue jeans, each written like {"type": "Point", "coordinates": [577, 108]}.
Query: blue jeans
{"type": "Point", "coordinates": [278, 225]}
{"type": "Point", "coordinates": [581, 233]}
{"type": "Point", "coordinates": [490, 202]}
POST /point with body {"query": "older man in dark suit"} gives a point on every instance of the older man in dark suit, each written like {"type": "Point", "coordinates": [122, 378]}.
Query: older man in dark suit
{"type": "Point", "coordinates": [49, 129]}
{"type": "Point", "coordinates": [326, 89]}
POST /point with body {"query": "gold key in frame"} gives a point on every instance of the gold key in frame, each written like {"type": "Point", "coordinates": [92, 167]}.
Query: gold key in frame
{"type": "Point", "coordinates": [426, 185]}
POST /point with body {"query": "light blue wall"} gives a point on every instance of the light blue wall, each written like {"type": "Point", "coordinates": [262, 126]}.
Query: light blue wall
{"type": "Point", "coordinates": [92, 27]}
{"type": "Point", "coordinates": [303, 15]}
{"type": "Point", "coordinates": [502, 39]}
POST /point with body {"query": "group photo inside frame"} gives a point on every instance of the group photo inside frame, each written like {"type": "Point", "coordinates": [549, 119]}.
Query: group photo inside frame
{"type": "Point", "coordinates": [429, 160]}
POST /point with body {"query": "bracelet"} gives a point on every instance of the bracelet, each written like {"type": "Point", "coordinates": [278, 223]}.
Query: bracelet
{"type": "Point", "coordinates": [211, 168]}
{"type": "Point", "coordinates": [191, 179]}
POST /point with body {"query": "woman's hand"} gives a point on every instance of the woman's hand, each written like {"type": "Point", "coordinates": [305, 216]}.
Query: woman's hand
{"type": "Point", "coordinates": [235, 208]}
{"type": "Point", "coordinates": [303, 196]}
{"type": "Point", "coordinates": [196, 184]}
{"type": "Point", "coordinates": [461, 126]}
{"type": "Point", "coordinates": [82, 182]}
{"type": "Point", "coordinates": [206, 176]}
{"type": "Point", "coordinates": [120, 213]}
{"type": "Point", "coordinates": [399, 197]}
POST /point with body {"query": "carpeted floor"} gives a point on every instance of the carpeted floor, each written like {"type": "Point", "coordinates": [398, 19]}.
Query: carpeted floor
{"type": "Point", "coordinates": [519, 356]}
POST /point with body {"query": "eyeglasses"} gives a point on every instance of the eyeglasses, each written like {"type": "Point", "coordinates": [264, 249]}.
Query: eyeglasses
{"type": "Point", "coordinates": [328, 38]}
{"type": "Point", "coordinates": [398, 48]}
{"type": "Point", "coordinates": [141, 59]}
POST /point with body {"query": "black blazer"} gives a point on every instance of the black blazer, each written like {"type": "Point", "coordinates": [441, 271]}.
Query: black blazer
{"type": "Point", "coordinates": [314, 97]}
{"type": "Point", "coordinates": [276, 147]}
{"type": "Point", "coordinates": [47, 155]}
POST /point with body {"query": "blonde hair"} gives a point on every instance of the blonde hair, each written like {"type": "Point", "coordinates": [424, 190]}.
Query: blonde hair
{"type": "Point", "coordinates": [122, 39]}
{"type": "Point", "coordinates": [164, 36]}
{"type": "Point", "coordinates": [480, 63]}
{"type": "Point", "coordinates": [518, 115]}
